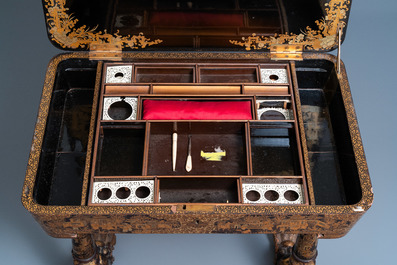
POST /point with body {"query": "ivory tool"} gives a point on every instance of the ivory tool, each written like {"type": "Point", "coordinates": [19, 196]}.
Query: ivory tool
{"type": "Point", "coordinates": [174, 147]}
{"type": "Point", "coordinates": [189, 155]}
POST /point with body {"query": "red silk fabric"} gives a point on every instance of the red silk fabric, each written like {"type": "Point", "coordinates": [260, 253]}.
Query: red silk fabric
{"type": "Point", "coordinates": [196, 110]}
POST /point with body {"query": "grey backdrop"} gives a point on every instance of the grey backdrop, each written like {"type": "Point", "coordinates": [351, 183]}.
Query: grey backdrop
{"type": "Point", "coordinates": [369, 53]}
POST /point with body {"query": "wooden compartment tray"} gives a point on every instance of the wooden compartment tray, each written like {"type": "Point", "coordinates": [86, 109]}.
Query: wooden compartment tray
{"type": "Point", "coordinates": [316, 147]}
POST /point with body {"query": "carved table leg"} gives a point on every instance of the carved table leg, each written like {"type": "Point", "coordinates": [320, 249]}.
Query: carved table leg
{"type": "Point", "coordinates": [284, 244]}
{"type": "Point", "coordinates": [83, 250]}
{"type": "Point", "coordinates": [305, 250]}
{"type": "Point", "coordinates": [93, 249]}
{"type": "Point", "coordinates": [105, 245]}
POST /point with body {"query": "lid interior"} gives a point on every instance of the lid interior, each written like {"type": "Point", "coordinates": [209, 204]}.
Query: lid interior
{"type": "Point", "coordinates": [195, 24]}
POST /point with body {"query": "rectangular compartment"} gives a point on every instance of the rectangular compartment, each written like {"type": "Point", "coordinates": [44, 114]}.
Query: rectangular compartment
{"type": "Point", "coordinates": [198, 190]}
{"type": "Point", "coordinates": [197, 24]}
{"type": "Point", "coordinates": [266, 90]}
{"type": "Point", "coordinates": [228, 75]}
{"type": "Point", "coordinates": [274, 150]}
{"type": "Point", "coordinates": [164, 75]}
{"type": "Point", "coordinates": [332, 160]}
{"type": "Point", "coordinates": [207, 138]}
{"type": "Point", "coordinates": [120, 150]}
{"type": "Point", "coordinates": [197, 89]}
{"type": "Point", "coordinates": [60, 172]}
{"type": "Point", "coordinates": [126, 89]}
{"type": "Point", "coordinates": [209, 109]}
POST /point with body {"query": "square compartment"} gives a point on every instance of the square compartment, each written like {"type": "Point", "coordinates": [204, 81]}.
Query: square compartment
{"type": "Point", "coordinates": [120, 150]}
{"type": "Point", "coordinates": [274, 150]}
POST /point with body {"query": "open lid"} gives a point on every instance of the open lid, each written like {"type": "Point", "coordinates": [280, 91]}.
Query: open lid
{"type": "Point", "coordinates": [196, 24]}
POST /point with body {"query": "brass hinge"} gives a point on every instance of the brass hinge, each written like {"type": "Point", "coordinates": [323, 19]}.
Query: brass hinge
{"type": "Point", "coordinates": [105, 51]}
{"type": "Point", "coordinates": [279, 52]}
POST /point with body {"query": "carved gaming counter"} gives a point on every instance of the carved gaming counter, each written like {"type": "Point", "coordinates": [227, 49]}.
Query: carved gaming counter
{"type": "Point", "coordinates": [191, 141]}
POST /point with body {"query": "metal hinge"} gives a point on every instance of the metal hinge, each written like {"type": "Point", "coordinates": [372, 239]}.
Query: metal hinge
{"type": "Point", "coordinates": [280, 52]}
{"type": "Point", "coordinates": [105, 51]}
{"type": "Point", "coordinates": [338, 65]}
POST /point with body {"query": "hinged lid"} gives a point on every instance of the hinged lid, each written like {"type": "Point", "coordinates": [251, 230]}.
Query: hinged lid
{"type": "Point", "coordinates": [196, 24]}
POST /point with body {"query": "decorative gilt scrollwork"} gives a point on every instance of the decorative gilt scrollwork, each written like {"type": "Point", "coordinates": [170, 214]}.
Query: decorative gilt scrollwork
{"type": "Point", "coordinates": [325, 37]}
{"type": "Point", "coordinates": [63, 31]}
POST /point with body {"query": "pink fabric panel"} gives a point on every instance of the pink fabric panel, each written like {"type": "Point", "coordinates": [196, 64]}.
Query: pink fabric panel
{"type": "Point", "coordinates": [196, 110]}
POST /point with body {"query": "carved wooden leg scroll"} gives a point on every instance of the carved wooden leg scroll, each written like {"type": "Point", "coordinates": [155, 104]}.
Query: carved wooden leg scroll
{"type": "Point", "coordinates": [105, 245]}
{"type": "Point", "coordinates": [284, 244]}
{"type": "Point", "coordinates": [93, 249]}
